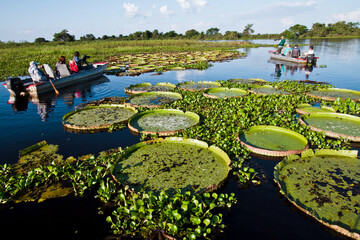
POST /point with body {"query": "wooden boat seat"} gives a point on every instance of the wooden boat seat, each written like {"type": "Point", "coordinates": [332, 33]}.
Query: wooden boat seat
{"type": "Point", "coordinates": [63, 70]}
{"type": "Point", "coordinates": [49, 71]}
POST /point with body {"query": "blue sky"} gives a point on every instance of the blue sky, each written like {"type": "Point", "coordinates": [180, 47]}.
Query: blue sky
{"type": "Point", "coordinates": [24, 20]}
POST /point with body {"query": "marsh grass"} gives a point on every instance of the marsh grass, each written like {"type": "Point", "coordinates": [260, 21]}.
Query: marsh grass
{"type": "Point", "coordinates": [15, 57]}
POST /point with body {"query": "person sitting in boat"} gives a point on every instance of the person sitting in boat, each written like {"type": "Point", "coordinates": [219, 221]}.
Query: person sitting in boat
{"type": "Point", "coordinates": [80, 61]}
{"type": "Point", "coordinates": [296, 52]}
{"type": "Point", "coordinates": [310, 55]}
{"type": "Point", "coordinates": [73, 66]}
{"type": "Point", "coordinates": [281, 44]}
{"type": "Point", "coordinates": [35, 73]}
{"type": "Point", "coordinates": [287, 50]}
{"type": "Point", "coordinates": [59, 64]}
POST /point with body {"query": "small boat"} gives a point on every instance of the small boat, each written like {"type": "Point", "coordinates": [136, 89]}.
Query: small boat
{"type": "Point", "coordinates": [17, 86]}
{"type": "Point", "coordinates": [280, 57]}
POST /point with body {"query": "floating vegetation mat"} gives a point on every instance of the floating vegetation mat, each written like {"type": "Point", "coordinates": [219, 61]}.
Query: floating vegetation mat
{"type": "Point", "coordinates": [173, 163]}
{"type": "Point", "coordinates": [325, 186]}
{"type": "Point", "coordinates": [153, 99]}
{"type": "Point", "coordinates": [198, 86]}
{"type": "Point", "coordinates": [37, 156]}
{"type": "Point", "coordinates": [96, 118]}
{"type": "Point", "coordinates": [267, 89]}
{"type": "Point", "coordinates": [148, 87]}
{"type": "Point", "coordinates": [332, 94]}
{"type": "Point", "coordinates": [225, 92]}
{"type": "Point", "coordinates": [334, 125]}
{"type": "Point", "coordinates": [307, 108]}
{"type": "Point", "coordinates": [164, 122]}
{"type": "Point", "coordinates": [248, 81]}
{"type": "Point", "coordinates": [273, 141]}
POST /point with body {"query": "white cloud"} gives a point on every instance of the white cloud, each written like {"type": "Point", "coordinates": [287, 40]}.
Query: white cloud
{"type": "Point", "coordinates": [191, 5]}
{"type": "Point", "coordinates": [352, 16]}
{"type": "Point", "coordinates": [296, 4]}
{"type": "Point", "coordinates": [24, 32]}
{"type": "Point", "coordinates": [130, 9]}
{"type": "Point", "coordinates": [287, 22]}
{"type": "Point", "coordinates": [165, 11]}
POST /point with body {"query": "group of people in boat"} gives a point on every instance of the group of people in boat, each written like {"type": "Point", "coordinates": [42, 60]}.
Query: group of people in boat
{"type": "Point", "coordinates": [295, 51]}
{"type": "Point", "coordinates": [62, 69]}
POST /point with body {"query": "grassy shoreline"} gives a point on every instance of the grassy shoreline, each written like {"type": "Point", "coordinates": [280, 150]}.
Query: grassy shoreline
{"type": "Point", "coordinates": [15, 57]}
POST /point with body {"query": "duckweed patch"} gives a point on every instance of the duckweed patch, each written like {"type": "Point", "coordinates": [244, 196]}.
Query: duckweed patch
{"type": "Point", "coordinates": [164, 120]}
{"type": "Point", "coordinates": [326, 186]}
{"type": "Point", "coordinates": [172, 165]}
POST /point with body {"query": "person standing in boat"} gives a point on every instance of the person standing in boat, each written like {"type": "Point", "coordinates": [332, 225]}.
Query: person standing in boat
{"type": "Point", "coordinates": [35, 73]}
{"type": "Point", "coordinates": [296, 52]}
{"type": "Point", "coordinates": [281, 44]}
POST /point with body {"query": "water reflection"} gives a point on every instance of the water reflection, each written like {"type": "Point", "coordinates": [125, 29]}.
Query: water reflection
{"type": "Point", "coordinates": [286, 69]}
{"type": "Point", "coordinates": [46, 102]}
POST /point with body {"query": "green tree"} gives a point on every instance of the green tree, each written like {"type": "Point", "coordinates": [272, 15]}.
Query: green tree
{"type": "Point", "coordinates": [88, 37]}
{"type": "Point", "coordinates": [63, 36]}
{"type": "Point", "coordinates": [248, 30]}
{"type": "Point", "coordinates": [296, 31]}
{"type": "Point", "coordinates": [40, 40]}
{"type": "Point", "coordinates": [211, 32]}
{"type": "Point", "coordinates": [170, 34]}
{"type": "Point", "coordinates": [232, 35]}
{"type": "Point", "coordinates": [191, 33]}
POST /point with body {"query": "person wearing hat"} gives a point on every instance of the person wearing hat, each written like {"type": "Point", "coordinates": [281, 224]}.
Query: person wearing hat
{"type": "Point", "coordinates": [35, 73]}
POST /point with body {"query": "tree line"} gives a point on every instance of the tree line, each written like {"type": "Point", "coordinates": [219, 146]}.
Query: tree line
{"type": "Point", "coordinates": [338, 29]}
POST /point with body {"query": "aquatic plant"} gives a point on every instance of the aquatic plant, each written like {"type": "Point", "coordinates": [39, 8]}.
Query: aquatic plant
{"type": "Point", "coordinates": [198, 86]}
{"type": "Point", "coordinates": [225, 92]}
{"type": "Point", "coordinates": [153, 99]}
{"type": "Point", "coordinates": [325, 186]}
{"type": "Point", "coordinates": [148, 87]}
{"type": "Point", "coordinates": [331, 94]}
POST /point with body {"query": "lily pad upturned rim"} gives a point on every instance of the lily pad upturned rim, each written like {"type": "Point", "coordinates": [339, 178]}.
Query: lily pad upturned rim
{"type": "Point", "coordinates": [183, 85]}
{"type": "Point", "coordinates": [160, 133]}
{"type": "Point", "coordinates": [266, 86]}
{"type": "Point", "coordinates": [206, 93]}
{"type": "Point", "coordinates": [274, 153]}
{"type": "Point", "coordinates": [129, 90]}
{"type": "Point", "coordinates": [214, 149]}
{"type": "Point", "coordinates": [334, 90]}
{"type": "Point", "coordinates": [330, 133]}
{"type": "Point", "coordinates": [318, 152]}
{"type": "Point", "coordinates": [152, 93]}
{"type": "Point", "coordinates": [77, 128]}
{"type": "Point", "coordinates": [302, 112]}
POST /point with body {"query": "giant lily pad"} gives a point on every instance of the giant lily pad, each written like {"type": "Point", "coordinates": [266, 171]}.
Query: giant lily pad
{"type": "Point", "coordinates": [224, 92]}
{"type": "Point", "coordinates": [332, 94]}
{"type": "Point", "coordinates": [248, 81]}
{"type": "Point", "coordinates": [307, 108]}
{"type": "Point", "coordinates": [153, 99]}
{"type": "Point", "coordinates": [324, 185]}
{"type": "Point", "coordinates": [164, 122]}
{"type": "Point", "coordinates": [334, 125]}
{"type": "Point", "coordinates": [267, 89]}
{"type": "Point", "coordinates": [97, 118]}
{"type": "Point", "coordinates": [198, 86]}
{"type": "Point", "coordinates": [148, 87]}
{"type": "Point", "coordinates": [273, 141]}
{"type": "Point", "coordinates": [173, 163]}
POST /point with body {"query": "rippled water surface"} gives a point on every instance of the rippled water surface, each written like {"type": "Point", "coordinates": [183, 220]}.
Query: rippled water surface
{"type": "Point", "coordinates": [260, 213]}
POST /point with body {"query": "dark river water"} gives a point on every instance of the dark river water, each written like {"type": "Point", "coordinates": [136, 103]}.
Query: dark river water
{"type": "Point", "coordinates": [261, 212]}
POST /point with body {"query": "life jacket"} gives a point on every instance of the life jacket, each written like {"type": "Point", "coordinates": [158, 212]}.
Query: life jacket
{"type": "Point", "coordinates": [73, 67]}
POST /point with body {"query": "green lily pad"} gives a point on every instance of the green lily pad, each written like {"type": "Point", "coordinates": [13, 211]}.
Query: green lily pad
{"type": "Point", "coordinates": [148, 87]}
{"type": "Point", "coordinates": [267, 89]}
{"type": "Point", "coordinates": [173, 163]}
{"type": "Point", "coordinates": [164, 122]}
{"type": "Point", "coordinates": [324, 185]}
{"type": "Point", "coordinates": [248, 81]}
{"type": "Point", "coordinates": [225, 92]}
{"type": "Point", "coordinates": [334, 125]}
{"type": "Point", "coordinates": [100, 117]}
{"type": "Point", "coordinates": [307, 108]}
{"type": "Point", "coordinates": [332, 94]}
{"type": "Point", "coordinates": [198, 86]}
{"type": "Point", "coordinates": [273, 141]}
{"type": "Point", "coordinates": [153, 99]}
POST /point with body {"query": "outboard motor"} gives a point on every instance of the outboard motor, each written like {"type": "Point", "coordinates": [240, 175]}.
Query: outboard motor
{"type": "Point", "coordinates": [15, 85]}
